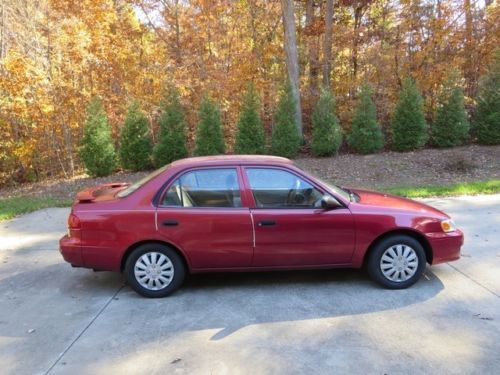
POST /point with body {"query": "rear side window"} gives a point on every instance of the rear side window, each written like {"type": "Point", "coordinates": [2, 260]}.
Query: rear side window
{"type": "Point", "coordinates": [205, 188]}
{"type": "Point", "coordinates": [276, 188]}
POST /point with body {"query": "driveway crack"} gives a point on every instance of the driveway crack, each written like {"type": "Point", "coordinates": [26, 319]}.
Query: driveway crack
{"type": "Point", "coordinates": [474, 281]}
{"type": "Point", "coordinates": [101, 310]}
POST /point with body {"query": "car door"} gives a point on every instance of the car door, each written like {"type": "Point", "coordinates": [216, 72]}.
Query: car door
{"type": "Point", "coordinates": [202, 213]}
{"type": "Point", "coordinates": [291, 228]}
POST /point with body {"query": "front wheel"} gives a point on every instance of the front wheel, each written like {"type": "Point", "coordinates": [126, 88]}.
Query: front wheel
{"type": "Point", "coordinates": [397, 262]}
{"type": "Point", "coordinates": [154, 270]}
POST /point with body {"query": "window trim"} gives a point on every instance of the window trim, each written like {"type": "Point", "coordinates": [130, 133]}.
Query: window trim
{"type": "Point", "coordinates": [164, 189]}
{"type": "Point", "coordinates": [254, 206]}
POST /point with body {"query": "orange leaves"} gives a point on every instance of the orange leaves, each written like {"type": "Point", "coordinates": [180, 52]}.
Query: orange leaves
{"type": "Point", "coordinates": [60, 53]}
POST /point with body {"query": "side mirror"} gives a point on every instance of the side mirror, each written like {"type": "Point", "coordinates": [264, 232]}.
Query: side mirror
{"type": "Point", "coordinates": [328, 202]}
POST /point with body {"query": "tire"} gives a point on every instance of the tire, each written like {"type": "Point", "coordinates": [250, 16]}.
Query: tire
{"type": "Point", "coordinates": [396, 262]}
{"type": "Point", "coordinates": [162, 276]}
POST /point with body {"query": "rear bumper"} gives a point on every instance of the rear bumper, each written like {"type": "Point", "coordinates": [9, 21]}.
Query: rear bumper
{"type": "Point", "coordinates": [71, 250]}
{"type": "Point", "coordinates": [445, 246]}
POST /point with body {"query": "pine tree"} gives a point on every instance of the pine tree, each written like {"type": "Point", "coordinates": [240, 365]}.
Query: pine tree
{"type": "Point", "coordinates": [366, 136]}
{"type": "Point", "coordinates": [97, 150]}
{"type": "Point", "coordinates": [326, 132]}
{"type": "Point", "coordinates": [487, 122]}
{"type": "Point", "coordinates": [209, 139]}
{"type": "Point", "coordinates": [172, 137]}
{"type": "Point", "coordinates": [250, 133]}
{"type": "Point", "coordinates": [409, 129]}
{"type": "Point", "coordinates": [451, 127]}
{"type": "Point", "coordinates": [285, 139]}
{"type": "Point", "coordinates": [136, 145]}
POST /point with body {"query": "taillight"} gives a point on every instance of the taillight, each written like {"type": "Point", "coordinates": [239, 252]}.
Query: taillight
{"type": "Point", "coordinates": [73, 221]}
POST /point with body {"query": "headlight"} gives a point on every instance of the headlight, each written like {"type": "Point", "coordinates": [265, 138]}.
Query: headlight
{"type": "Point", "coordinates": [448, 225]}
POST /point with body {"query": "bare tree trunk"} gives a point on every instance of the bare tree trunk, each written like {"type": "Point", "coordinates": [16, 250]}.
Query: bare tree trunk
{"type": "Point", "coordinates": [178, 56]}
{"type": "Point", "coordinates": [313, 50]}
{"type": "Point", "coordinates": [469, 49]}
{"type": "Point", "coordinates": [327, 48]}
{"type": "Point", "coordinates": [292, 57]}
{"type": "Point", "coordinates": [358, 12]}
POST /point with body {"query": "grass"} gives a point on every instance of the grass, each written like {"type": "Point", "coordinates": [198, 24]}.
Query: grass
{"type": "Point", "coordinates": [465, 188]}
{"type": "Point", "coordinates": [11, 207]}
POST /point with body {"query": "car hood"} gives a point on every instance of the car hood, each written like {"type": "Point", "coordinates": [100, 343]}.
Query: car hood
{"type": "Point", "coordinates": [372, 198]}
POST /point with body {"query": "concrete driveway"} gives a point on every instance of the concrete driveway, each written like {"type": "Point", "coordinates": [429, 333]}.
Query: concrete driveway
{"type": "Point", "coordinates": [55, 319]}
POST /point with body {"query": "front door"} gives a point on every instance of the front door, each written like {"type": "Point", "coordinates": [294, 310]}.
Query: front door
{"type": "Point", "coordinates": [291, 228]}
{"type": "Point", "coordinates": [201, 212]}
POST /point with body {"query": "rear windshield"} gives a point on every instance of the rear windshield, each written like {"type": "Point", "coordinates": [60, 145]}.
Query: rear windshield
{"type": "Point", "coordinates": [142, 181]}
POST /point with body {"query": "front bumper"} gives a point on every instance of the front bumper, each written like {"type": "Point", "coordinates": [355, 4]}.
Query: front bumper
{"type": "Point", "coordinates": [71, 250]}
{"type": "Point", "coordinates": [445, 246]}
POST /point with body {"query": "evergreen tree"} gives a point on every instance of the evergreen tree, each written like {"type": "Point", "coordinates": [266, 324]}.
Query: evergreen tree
{"type": "Point", "coordinates": [209, 139]}
{"type": "Point", "coordinates": [409, 129]}
{"type": "Point", "coordinates": [250, 133]}
{"type": "Point", "coordinates": [450, 127]}
{"type": "Point", "coordinates": [285, 139]}
{"type": "Point", "coordinates": [136, 145]}
{"type": "Point", "coordinates": [326, 132]}
{"type": "Point", "coordinates": [97, 150]}
{"type": "Point", "coordinates": [487, 122]}
{"type": "Point", "coordinates": [366, 135]}
{"type": "Point", "coordinates": [172, 137]}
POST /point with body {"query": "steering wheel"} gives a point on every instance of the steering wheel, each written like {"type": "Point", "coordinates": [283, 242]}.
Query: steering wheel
{"type": "Point", "coordinates": [294, 197]}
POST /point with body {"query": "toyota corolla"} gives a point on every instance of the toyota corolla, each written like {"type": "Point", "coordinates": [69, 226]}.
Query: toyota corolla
{"type": "Point", "coordinates": [250, 213]}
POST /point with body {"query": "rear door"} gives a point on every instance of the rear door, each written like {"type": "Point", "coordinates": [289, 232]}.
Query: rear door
{"type": "Point", "coordinates": [291, 228]}
{"type": "Point", "coordinates": [202, 213]}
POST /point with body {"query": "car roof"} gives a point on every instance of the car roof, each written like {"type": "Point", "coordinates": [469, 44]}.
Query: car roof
{"type": "Point", "coordinates": [231, 159]}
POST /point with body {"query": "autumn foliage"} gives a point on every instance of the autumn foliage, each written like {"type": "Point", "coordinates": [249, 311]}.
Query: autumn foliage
{"type": "Point", "coordinates": [56, 55]}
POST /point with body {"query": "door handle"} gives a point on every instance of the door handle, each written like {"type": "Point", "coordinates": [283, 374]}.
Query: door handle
{"type": "Point", "coordinates": [170, 223]}
{"type": "Point", "coordinates": [266, 223]}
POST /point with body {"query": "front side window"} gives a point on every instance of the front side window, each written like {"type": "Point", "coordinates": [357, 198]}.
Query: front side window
{"type": "Point", "coordinates": [276, 188]}
{"type": "Point", "coordinates": [205, 188]}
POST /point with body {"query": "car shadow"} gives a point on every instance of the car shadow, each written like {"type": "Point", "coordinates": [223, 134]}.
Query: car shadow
{"type": "Point", "coordinates": [226, 301]}
{"type": "Point", "coordinates": [235, 300]}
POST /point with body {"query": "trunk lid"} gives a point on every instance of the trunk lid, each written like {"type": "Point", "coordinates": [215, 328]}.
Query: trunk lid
{"type": "Point", "coordinates": [104, 192]}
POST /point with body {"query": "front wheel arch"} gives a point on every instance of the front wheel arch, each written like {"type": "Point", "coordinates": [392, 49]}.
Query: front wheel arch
{"type": "Point", "coordinates": [131, 248]}
{"type": "Point", "coordinates": [405, 232]}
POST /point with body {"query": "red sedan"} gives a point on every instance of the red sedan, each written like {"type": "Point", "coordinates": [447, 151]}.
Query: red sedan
{"type": "Point", "coordinates": [250, 213]}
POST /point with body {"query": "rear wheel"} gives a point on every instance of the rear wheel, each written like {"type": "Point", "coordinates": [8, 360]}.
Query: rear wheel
{"type": "Point", "coordinates": [397, 262]}
{"type": "Point", "coordinates": [154, 270]}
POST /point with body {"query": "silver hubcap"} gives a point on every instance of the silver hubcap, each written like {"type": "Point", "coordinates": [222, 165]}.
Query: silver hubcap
{"type": "Point", "coordinates": [399, 263]}
{"type": "Point", "coordinates": [154, 271]}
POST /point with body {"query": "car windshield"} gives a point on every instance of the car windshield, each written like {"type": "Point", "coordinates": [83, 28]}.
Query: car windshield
{"type": "Point", "coordinates": [136, 185]}
{"type": "Point", "coordinates": [336, 189]}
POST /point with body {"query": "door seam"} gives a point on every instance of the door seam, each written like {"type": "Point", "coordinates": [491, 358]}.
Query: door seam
{"type": "Point", "coordinates": [253, 238]}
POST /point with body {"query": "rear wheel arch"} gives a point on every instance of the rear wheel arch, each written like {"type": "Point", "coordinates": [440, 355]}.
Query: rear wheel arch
{"type": "Point", "coordinates": [402, 232]}
{"type": "Point", "coordinates": [137, 244]}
